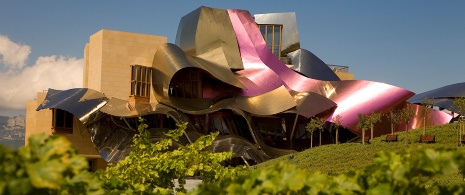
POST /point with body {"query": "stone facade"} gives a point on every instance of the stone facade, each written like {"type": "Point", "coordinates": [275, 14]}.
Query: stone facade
{"type": "Point", "coordinates": [108, 57]}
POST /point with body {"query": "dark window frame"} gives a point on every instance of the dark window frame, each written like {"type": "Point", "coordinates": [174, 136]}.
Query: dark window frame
{"type": "Point", "coordinates": [272, 44]}
{"type": "Point", "coordinates": [141, 80]}
{"type": "Point", "coordinates": [62, 121]}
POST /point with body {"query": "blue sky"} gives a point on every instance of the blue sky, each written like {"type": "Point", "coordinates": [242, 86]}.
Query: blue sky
{"type": "Point", "coordinates": [417, 45]}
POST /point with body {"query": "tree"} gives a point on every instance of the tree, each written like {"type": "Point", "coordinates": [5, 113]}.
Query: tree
{"type": "Point", "coordinates": [363, 124]}
{"type": "Point", "coordinates": [47, 165]}
{"type": "Point", "coordinates": [459, 106]}
{"type": "Point", "coordinates": [315, 124]}
{"type": "Point", "coordinates": [373, 118]}
{"type": "Point", "coordinates": [394, 117]}
{"type": "Point", "coordinates": [424, 111]}
{"type": "Point", "coordinates": [407, 113]}
{"type": "Point", "coordinates": [337, 124]}
{"type": "Point", "coordinates": [150, 168]}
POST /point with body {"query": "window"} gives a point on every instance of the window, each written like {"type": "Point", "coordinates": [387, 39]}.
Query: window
{"type": "Point", "coordinates": [187, 84]}
{"type": "Point", "coordinates": [140, 80]}
{"type": "Point", "coordinates": [62, 121]}
{"type": "Point", "coordinates": [272, 33]}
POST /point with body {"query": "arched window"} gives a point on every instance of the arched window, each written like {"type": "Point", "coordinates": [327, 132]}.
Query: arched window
{"type": "Point", "coordinates": [187, 84]}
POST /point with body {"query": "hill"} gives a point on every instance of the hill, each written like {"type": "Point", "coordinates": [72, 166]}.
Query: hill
{"type": "Point", "coordinates": [12, 131]}
{"type": "Point", "coordinates": [343, 158]}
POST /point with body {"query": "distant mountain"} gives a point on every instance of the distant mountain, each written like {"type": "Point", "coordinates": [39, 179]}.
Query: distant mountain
{"type": "Point", "coordinates": [12, 131]}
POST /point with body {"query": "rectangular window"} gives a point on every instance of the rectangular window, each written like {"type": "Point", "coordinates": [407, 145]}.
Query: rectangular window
{"type": "Point", "coordinates": [141, 77]}
{"type": "Point", "coordinates": [62, 121]}
{"type": "Point", "coordinates": [272, 33]}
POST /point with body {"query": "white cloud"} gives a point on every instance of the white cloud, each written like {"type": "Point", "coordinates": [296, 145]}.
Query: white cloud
{"type": "Point", "coordinates": [21, 85]}
{"type": "Point", "coordinates": [13, 55]}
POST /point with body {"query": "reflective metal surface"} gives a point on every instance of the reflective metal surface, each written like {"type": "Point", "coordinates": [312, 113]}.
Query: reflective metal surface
{"type": "Point", "coordinates": [269, 103]}
{"type": "Point", "coordinates": [434, 117]}
{"type": "Point", "coordinates": [449, 91]}
{"type": "Point", "coordinates": [207, 32]}
{"type": "Point", "coordinates": [80, 102]}
{"type": "Point", "coordinates": [352, 97]}
{"type": "Point", "coordinates": [170, 59]}
{"type": "Point", "coordinates": [311, 66]}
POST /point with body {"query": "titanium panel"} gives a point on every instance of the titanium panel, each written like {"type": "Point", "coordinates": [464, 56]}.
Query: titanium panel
{"type": "Point", "coordinates": [239, 147]}
{"type": "Point", "coordinates": [81, 102]}
{"type": "Point", "coordinates": [207, 29]}
{"type": "Point", "coordinates": [311, 66]}
{"type": "Point", "coordinates": [170, 59]}
{"type": "Point", "coordinates": [310, 104]}
{"type": "Point", "coordinates": [352, 97]}
{"type": "Point", "coordinates": [434, 117]}
{"type": "Point", "coordinates": [449, 91]}
{"type": "Point", "coordinates": [270, 103]}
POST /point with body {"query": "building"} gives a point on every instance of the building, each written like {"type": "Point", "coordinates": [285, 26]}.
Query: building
{"type": "Point", "coordinates": [106, 69]}
{"type": "Point", "coordinates": [242, 76]}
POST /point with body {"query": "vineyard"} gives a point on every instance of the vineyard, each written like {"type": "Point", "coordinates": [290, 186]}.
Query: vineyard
{"type": "Point", "coordinates": [49, 165]}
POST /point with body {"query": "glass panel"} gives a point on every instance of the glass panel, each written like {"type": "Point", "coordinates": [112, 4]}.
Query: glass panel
{"type": "Point", "coordinates": [277, 33]}
{"type": "Point", "coordinates": [269, 35]}
{"type": "Point", "coordinates": [217, 123]}
{"type": "Point", "coordinates": [68, 120]}
{"type": "Point", "coordinates": [143, 70]}
{"type": "Point", "coordinates": [149, 75]}
{"type": "Point", "coordinates": [137, 88]}
{"type": "Point", "coordinates": [134, 71]}
{"type": "Point", "coordinates": [133, 88]}
{"type": "Point", "coordinates": [147, 93]}
{"type": "Point", "coordinates": [225, 129]}
{"type": "Point", "coordinates": [195, 76]}
{"type": "Point", "coordinates": [188, 90]}
{"type": "Point", "coordinates": [195, 89]}
{"type": "Point", "coordinates": [263, 30]}
{"type": "Point", "coordinates": [142, 93]}
{"type": "Point", "coordinates": [276, 51]}
{"type": "Point", "coordinates": [59, 118]}
{"type": "Point", "coordinates": [137, 73]}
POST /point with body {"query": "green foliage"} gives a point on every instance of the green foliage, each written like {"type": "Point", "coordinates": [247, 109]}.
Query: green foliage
{"type": "Point", "coordinates": [407, 113]}
{"type": "Point", "coordinates": [342, 158]}
{"type": "Point", "coordinates": [48, 165]}
{"type": "Point", "coordinates": [151, 168]}
{"type": "Point", "coordinates": [391, 173]}
{"type": "Point", "coordinates": [459, 105]}
{"type": "Point", "coordinates": [373, 118]}
{"type": "Point", "coordinates": [315, 124]}
{"type": "Point", "coordinates": [363, 122]}
{"type": "Point", "coordinates": [337, 124]}
{"type": "Point", "coordinates": [394, 117]}
{"type": "Point", "coordinates": [424, 110]}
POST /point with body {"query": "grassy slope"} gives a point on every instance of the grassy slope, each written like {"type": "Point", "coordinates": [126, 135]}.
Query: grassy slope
{"type": "Point", "coordinates": [351, 156]}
